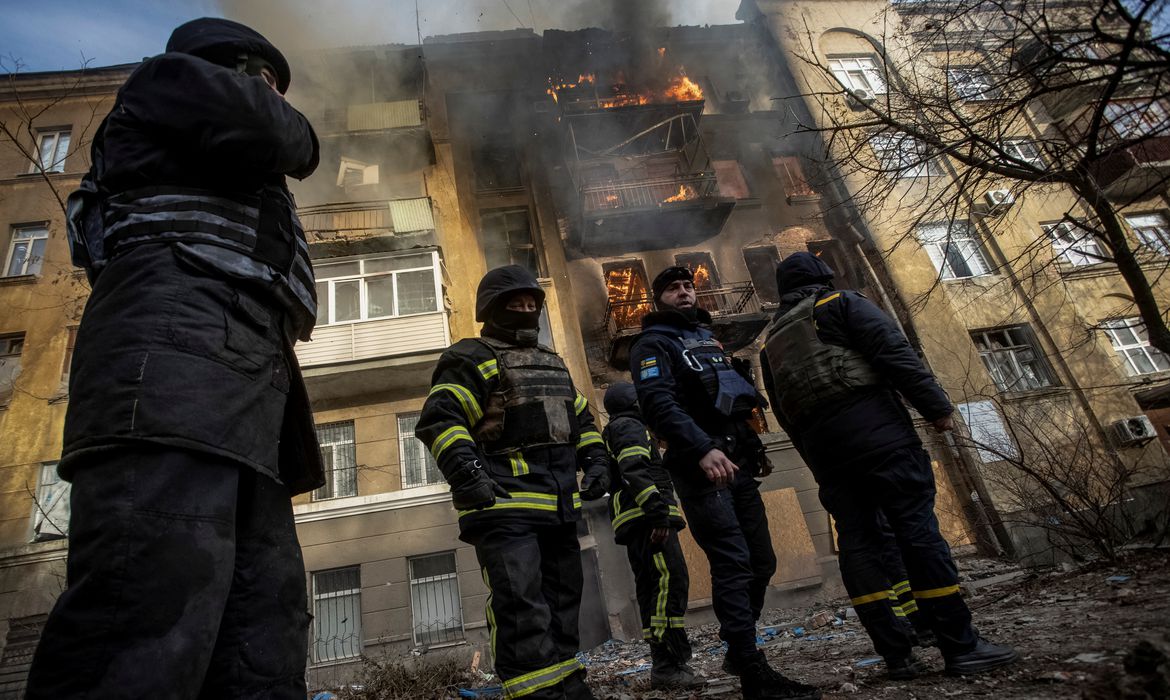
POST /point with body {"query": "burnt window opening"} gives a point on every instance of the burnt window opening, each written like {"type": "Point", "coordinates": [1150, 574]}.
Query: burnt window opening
{"type": "Point", "coordinates": [497, 167]}
{"type": "Point", "coordinates": [730, 176]}
{"type": "Point", "coordinates": [702, 267]}
{"type": "Point", "coordinates": [761, 263]}
{"type": "Point", "coordinates": [832, 254]}
{"type": "Point", "coordinates": [791, 173]}
{"type": "Point", "coordinates": [507, 240]}
{"type": "Point", "coordinates": [629, 293]}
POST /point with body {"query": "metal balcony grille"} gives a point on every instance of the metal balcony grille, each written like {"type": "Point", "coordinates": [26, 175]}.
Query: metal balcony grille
{"type": "Point", "coordinates": [337, 615]}
{"type": "Point", "coordinates": [625, 315]}
{"type": "Point", "coordinates": [647, 194]}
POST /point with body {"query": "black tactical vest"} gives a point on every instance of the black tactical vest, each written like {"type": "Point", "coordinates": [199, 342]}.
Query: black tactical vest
{"type": "Point", "coordinates": [533, 404]}
{"type": "Point", "coordinates": [806, 372]}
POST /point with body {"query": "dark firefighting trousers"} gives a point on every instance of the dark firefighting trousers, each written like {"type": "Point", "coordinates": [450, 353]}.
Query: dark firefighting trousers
{"type": "Point", "coordinates": [185, 580]}
{"type": "Point", "coordinates": [533, 576]}
{"type": "Point", "coordinates": [900, 486]}
{"type": "Point", "coordinates": [662, 583]}
{"type": "Point", "coordinates": [904, 605]}
{"type": "Point", "coordinates": [731, 527]}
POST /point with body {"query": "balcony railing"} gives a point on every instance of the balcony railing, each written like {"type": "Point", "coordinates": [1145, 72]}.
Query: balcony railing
{"type": "Point", "coordinates": [646, 194]}
{"type": "Point", "coordinates": [625, 316]}
{"type": "Point", "coordinates": [361, 219]}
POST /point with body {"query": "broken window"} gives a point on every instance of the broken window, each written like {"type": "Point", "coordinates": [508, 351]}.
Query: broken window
{"type": "Point", "coordinates": [434, 599]}
{"type": "Point", "coordinates": [629, 295]}
{"type": "Point", "coordinates": [702, 267]}
{"type": "Point", "coordinates": [52, 147]}
{"type": "Point", "coordinates": [337, 614]}
{"type": "Point", "coordinates": [27, 250]}
{"type": "Point", "coordinates": [1013, 358]}
{"type": "Point", "coordinates": [418, 466]}
{"type": "Point", "coordinates": [354, 172]}
{"type": "Point", "coordinates": [761, 264]}
{"type": "Point", "coordinates": [339, 458]}
{"type": "Point", "coordinates": [791, 174]}
{"type": "Point", "coordinates": [11, 347]}
{"type": "Point", "coordinates": [507, 240]}
{"type": "Point", "coordinates": [51, 510]}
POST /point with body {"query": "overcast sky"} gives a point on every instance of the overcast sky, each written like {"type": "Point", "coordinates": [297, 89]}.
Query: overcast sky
{"type": "Point", "coordinates": [47, 35]}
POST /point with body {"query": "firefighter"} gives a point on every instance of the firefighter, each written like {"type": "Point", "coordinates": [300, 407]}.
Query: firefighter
{"type": "Point", "coordinates": [836, 369]}
{"type": "Point", "coordinates": [699, 402]}
{"type": "Point", "coordinates": [509, 432]}
{"type": "Point", "coordinates": [646, 520]}
{"type": "Point", "coordinates": [188, 426]}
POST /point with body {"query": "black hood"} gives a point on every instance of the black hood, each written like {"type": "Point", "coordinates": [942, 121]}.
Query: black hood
{"type": "Point", "coordinates": [502, 282]}
{"type": "Point", "coordinates": [221, 41]}
{"type": "Point", "coordinates": [621, 398]}
{"type": "Point", "coordinates": [801, 270]}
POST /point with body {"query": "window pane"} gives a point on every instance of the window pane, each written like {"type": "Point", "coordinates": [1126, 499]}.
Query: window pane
{"type": "Point", "coordinates": [434, 599]}
{"type": "Point", "coordinates": [418, 466]}
{"type": "Point", "coordinates": [379, 296]}
{"type": "Point", "coordinates": [337, 614]}
{"type": "Point", "coordinates": [33, 265]}
{"type": "Point", "coordinates": [323, 302]}
{"type": "Point", "coordinates": [416, 292]}
{"type": "Point", "coordinates": [330, 270]}
{"type": "Point", "coordinates": [347, 306]}
{"type": "Point", "coordinates": [61, 151]}
{"type": "Point", "coordinates": [48, 145]}
{"type": "Point", "coordinates": [338, 452]}
{"type": "Point", "coordinates": [17, 258]}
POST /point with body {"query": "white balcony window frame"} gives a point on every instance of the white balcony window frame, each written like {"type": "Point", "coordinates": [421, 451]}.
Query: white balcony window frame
{"type": "Point", "coordinates": [328, 309]}
{"type": "Point", "coordinates": [858, 73]}
{"type": "Point", "coordinates": [429, 470]}
{"type": "Point", "coordinates": [1077, 251]}
{"type": "Point", "coordinates": [453, 599]}
{"type": "Point", "coordinates": [955, 250]}
{"type": "Point", "coordinates": [972, 84]}
{"type": "Point", "coordinates": [1132, 345]}
{"type": "Point", "coordinates": [28, 236]}
{"type": "Point", "coordinates": [893, 160]}
{"type": "Point", "coordinates": [1152, 231]}
{"type": "Point", "coordinates": [52, 149]}
{"type": "Point", "coordinates": [350, 598]}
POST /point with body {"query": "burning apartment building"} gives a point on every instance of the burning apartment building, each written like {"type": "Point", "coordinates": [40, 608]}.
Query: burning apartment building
{"type": "Point", "coordinates": [595, 158]}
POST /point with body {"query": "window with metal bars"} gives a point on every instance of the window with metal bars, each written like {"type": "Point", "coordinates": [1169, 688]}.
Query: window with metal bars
{"type": "Point", "coordinates": [337, 615]}
{"type": "Point", "coordinates": [434, 599]}
{"type": "Point", "coordinates": [339, 456]}
{"type": "Point", "coordinates": [418, 466]}
{"type": "Point", "coordinates": [1013, 358]}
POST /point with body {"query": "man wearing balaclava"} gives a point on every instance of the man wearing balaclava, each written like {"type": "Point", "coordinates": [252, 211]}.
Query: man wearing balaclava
{"type": "Point", "coordinates": [188, 427]}
{"type": "Point", "coordinates": [698, 400]}
{"type": "Point", "coordinates": [509, 432]}
{"type": "Point", "coordinates": [836, 369]}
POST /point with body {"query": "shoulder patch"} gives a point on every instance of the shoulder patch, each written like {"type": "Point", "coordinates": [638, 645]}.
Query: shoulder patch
{"type": "Point", "coordinates": [649, 362]}
{"type": "Point", "coordinates": [648, 372]}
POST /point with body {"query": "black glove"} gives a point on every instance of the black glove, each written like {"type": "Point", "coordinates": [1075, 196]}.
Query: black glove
{"type": "Point", "coordinates": [596, 480]}
{"type": "Point", "coordinates": [472, 488]}
{"type": "Point", "coordinates": [657, 511]}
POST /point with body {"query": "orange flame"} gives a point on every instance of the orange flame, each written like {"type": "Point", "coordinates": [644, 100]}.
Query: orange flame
{"type": "Point", "coordinates": [680, 88]}
{"type": "Point", "coordinates": [625, 285]}
{"type": "Point", "coordinates": [683, 89]}
{"type": "Point", "coordinates": [685, 192]}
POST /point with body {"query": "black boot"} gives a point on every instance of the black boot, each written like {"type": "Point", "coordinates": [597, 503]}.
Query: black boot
{"type": "Point", "coordinates": [759, 681]}
{"type": "Point", "coordinates": [576, 689]}
{"type": "Point", "coordinates": [984, 657]}
{"type": "Point", "coordinates": [668, 672]}
{"type": "Point", "coordinates": [906, 668]}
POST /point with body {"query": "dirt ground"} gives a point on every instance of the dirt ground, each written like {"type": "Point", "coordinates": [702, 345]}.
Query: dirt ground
{"type": "Point", "coordinates": [1073, 627]}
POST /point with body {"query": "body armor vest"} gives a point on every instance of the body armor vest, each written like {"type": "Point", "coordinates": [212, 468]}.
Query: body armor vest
{"type": "Point", "coordinates": [807, 372]}
{"type": "Point", "coordinates": [533, 404]}
{"type": "Point", "coordinates": [262, 228]}
{"type": "Point", "coordinates": [728, 390]}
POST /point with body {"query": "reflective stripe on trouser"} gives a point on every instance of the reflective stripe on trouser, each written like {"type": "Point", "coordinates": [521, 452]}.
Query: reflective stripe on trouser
{"type": "Point", "coordinates": [899, 488]}
{"type": "Point", "coordinates": [661, 581]}
{"type": "Point", "coordinates": [534, 580]}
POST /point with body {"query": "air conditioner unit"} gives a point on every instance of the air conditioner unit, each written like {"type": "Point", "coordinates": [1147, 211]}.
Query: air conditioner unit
{"type": "Point", "coordinates": [998, 201]}
{"type": "Point", "coordinates": [860, 97]}
{"type": "Point", "coordinates": [1135, 430]}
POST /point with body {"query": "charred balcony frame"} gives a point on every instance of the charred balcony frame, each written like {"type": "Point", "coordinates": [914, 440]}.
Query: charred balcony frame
{"type": "Point", "coordinates": [735, 314]}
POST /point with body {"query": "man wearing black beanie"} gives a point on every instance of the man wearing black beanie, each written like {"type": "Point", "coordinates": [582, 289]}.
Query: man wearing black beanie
{"type": "Point", "coordinates": [695, 398]}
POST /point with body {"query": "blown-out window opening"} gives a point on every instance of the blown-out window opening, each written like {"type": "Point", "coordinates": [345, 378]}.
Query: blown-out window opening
{"type": "Point", "coordinates": [1013, 358]}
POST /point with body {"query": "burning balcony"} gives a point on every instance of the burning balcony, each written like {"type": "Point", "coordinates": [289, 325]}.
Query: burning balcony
{"type": "Point", "coordinates": [735, 312]}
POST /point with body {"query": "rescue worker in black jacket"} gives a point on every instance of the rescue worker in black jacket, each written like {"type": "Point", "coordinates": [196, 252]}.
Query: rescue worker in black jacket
{"type": "Point", "coordinates": [188, 427]}
{"type": "Point", "coordinates": [509, 432]}
{"type": "Point", "coordinates": [646, 520]}
{"type": "Point", "coordinates": [699, 403]}
{"type": "Point", "coordinates": [836, 369]}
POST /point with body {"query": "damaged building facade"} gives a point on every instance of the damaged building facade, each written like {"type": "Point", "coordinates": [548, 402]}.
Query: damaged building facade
{"type": "Point", "coordinates": [594, 158]}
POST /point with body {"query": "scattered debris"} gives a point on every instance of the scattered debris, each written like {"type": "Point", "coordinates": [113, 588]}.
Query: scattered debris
{"type": "Point", "coordinates": [1118, 579]}
{"type": "Point", "coordinates": [847, 688]}
{"type": "Point", "coordinates": [822, 619]}
{"type": "Point", "coordinates": [1094, 657]}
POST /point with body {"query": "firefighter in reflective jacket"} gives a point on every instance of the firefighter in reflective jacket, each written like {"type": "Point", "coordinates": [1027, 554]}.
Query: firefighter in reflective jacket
{"type": "Point", "coordinates": [694, 397]}
{"type": "Point", "coordinates": [836, 368]}
{"type": "Point", "coordinates": [509, 431]}
{"type": "Point", "coordinates": [646, 519]}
